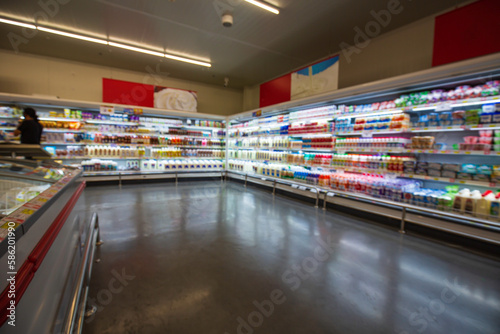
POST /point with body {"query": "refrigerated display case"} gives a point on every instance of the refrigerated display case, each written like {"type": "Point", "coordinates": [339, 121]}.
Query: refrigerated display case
{"type": "Point", "coordinates": [126, 143]}
{"type": "Point", "coordinates": [406, 148]}
{"type": "Point", "coordinates": [46, 245]}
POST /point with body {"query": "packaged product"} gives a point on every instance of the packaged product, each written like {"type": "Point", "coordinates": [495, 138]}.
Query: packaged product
{"type": "Point", "coordinates": [464, 176]}
{"type": "Point", "coordinates": [423, 164]}
{"type": "Point", "coordinates": [459, 200]}
{"type": "Point", "coordinates": [496, 114]}
{"type": "Point", "coordinates": [420, 171]}
{"type": "Point", "coordinates": [434, 172]}
{"type": "Point", "coordinates": [472, 117]}
{"type": "Point", "coordinates": [486, 115]}
{"type": "Point", "coordinates": [481, 177]}
{"type": "Point", "coordinates": [458, 117]}
{"type": "Point", "coordinates": [495, 176]}
{"type": "Point", "coordinates": [450, 174]}
{"type": "Point", "coordinates": [469, 168]}
{"type": "Point", "coordinates": [409, 170]}
{"type": "Point", "coordinates": [445, 201]}
{"type": "Point", "coordinates": [435, 165]}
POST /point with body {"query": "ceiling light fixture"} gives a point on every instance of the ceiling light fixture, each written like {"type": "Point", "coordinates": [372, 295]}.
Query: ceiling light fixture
{"type": "Point", "coordinates": [105, 42]}
{"type": "Point", "coordinates": [136, 49]}
{"type": "Point", "coordinates": [67, 34]}
{"type": "Point", "coordinates": [264, 6]}
{"type": "Point", "coordinates": [187, 60]}
{"type": "Point", "coordinates": [17, 23]}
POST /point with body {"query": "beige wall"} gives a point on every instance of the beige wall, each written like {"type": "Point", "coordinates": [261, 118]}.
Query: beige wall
{"type": "Point", "coordinates": [404, 50]}
{"type": "Point", "coordinates": [401, 51]}
{"type": "Point", "coordinates": [30, 74]}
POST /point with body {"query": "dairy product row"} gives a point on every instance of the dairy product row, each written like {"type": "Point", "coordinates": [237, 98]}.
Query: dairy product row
{"type": "Point", "coordinates": [482, 204]}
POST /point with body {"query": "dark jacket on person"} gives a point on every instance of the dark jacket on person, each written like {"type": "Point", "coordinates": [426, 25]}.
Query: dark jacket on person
{"type": "Point", "coordinates": [31, 132]}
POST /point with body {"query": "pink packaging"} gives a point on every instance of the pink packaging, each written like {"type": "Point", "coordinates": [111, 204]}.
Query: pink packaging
{"type": "Point", "coordinates": [485, 140]}
{"type": "Point", "coordinates": [486, 133]}
{"type": "Point", "coordinates": [471, 139]}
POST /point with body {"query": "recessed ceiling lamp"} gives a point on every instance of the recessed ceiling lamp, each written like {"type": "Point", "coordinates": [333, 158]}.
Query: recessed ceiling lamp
{"type": "Point", "coordinates": [264, 6]}
{"type": "Point", "coordinates": [106, 42]}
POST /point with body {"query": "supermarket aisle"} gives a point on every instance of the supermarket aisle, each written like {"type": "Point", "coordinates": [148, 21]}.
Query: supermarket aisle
{"type": "Point", "coordinates": [211, 258]}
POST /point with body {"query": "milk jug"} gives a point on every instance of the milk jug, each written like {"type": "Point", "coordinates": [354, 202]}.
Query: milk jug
{"type": "Point", "coordinates": [459, 201]}
{"type": "Point", "coordinates": [483, 205]}
{"type": "Point", "coordinates": [471, 201]}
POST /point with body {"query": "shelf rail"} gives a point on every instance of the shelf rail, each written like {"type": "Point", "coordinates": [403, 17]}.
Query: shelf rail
{"type": "Point", "coordinates": [76, 311]}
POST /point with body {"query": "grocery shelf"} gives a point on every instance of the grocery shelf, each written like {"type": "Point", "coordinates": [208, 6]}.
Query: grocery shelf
{"type": "Point", "coordinates": [191, 136]}
{"type": "Point", "coordinates": [62, 130]}
{"type": "Point", "coordinates": [492, 126]}
{"type": "Point", "coordinates": [368, 133]}
{"type": "Point", "coordinates": [98, 121]}
{"type": "Point", "coordinates": [369, 150]}
{"type": "Point", "coordinates": [451, 180]}
{"type": "Point", "coordinates": [152, 133]}
{"type": "Point", "coordinates": [205, 128]}
{"type": "Point", "coordinates": [122, 133]}
{"type": "Point", "coordinates": [327, 118]}
{"type": "Point", "coordinates": [137, 145]}
{"type": "Point", "coordinates": [86, 157]}
{"type": "Point", "coordinates": [141, 175]}
{"type": "Point", "coordinates": [311, 134]}
{"type": "Point", "coordinates": [284, 149]}
{"type": "Point", "coordinates": [319, 150]}
{"type": "Point", "coordinates": [261, 136]}
{"type": "Point", "coordinates": [375, 150]}
{"type": "Point", "coordinates": [327, 166]}
{"type": "Point", "coordinates": [7, 128]}
{"type": "Point", "coordinates": [371, 113]}
{"type": "Point", "coordinates": [459, 152]}
{"type": "Point", "coordinates": [455, 103]}
{"type": "Point", "coordinates": [72, 157]}
{"type": "Point", "coordinates": [431, 106]}
{"type": "Point", "coordinates": [61, 119]}
{"type": "Point", "coordinates": [439, 128]}
{"type": "Point", "coordinates": [485, 127]}
{"type": "Point", "coordinates": [9, 117]}
{"type": "Point", "coordinates": [160, 124]}
{"type": "Point", "coordinates": [417, 177]}
{"type": "Point", "coordinates": [62, 143]}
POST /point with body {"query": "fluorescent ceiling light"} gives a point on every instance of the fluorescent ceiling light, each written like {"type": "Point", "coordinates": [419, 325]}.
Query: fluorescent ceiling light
{"type": "Point", "coordinates": [136, 49]}
{"type": "Point", "coordinates": [187, 60]}
{"type": "Point", "coordinates": [67, 34]}
{"type": "Point", "coordinates": [263, 6]}
{"type": "Point", "coordinates": [105, 42]}
{"type": "Point", "coordinates": [17, 23]}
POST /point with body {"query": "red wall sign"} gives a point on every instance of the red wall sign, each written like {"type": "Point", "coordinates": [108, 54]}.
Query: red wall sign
{"type": "Point", "coordinates": [276, 91]}
{"type": "Point", "coordinates": [126, 92]}
{"type": "Point", "coordinates": [467, 32]}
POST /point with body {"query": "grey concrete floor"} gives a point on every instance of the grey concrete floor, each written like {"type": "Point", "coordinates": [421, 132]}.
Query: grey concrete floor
{"type": "Point", "coordinates": [206, 257]}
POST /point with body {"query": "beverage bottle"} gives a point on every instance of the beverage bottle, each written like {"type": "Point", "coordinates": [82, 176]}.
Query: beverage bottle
{"type": "Point", "coordinates": [483, 205]}
{"type": "Point", "coordinates": [459, 200]}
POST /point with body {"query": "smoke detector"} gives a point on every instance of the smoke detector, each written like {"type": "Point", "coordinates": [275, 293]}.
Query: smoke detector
{"type": "Point", "coordinates": [227, 20]}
